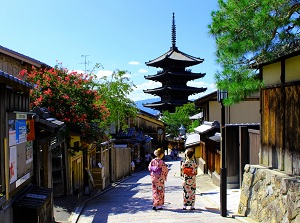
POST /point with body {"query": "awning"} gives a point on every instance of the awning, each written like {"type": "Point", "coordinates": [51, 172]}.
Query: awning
{"type": "Point", "coordinates": [46, 121]}
{"type": "Point", "coordinates": [206, 126]}
{"type": "Point", "coordinates": [216, 137]}
{"type": "Point", "coordinates": [50, 125]}
{"type": "Point", "coordinates": [197, 116]}
{"type": "Point", "coordinates": [192, 139]}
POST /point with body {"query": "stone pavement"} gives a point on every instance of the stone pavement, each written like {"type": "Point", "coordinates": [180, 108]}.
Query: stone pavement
{"type": "Point", "coordinates": [130, 201]}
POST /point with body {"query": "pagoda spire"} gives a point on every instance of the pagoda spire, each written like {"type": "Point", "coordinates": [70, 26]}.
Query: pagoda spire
{"type": "Point", "coordinates": [173, 33]}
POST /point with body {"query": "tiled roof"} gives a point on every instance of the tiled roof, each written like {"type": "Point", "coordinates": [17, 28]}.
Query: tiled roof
{"type": "Point", "coordinates": [206, 126]}
{"type": "Point", "coordinates": [196, 116]}
{"type": "Point", "coordinates": [7, 79]}
{"type": "Point", "coordinates": [170, 74]}
{"type": "Point", "coordinates": [161, 103]}
{"type": "Point", "coordinates": [192, 139]}
{"type": "Point", "coordinates": [216, 137]}
{"type": "Point", "coordinates": [175, 56]}
{"type": "Point", "coordinates": [176, 88]}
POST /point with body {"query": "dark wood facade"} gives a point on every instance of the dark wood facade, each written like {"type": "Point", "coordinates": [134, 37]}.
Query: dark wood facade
{"type": "Point", "coordinates": [173, 77]}
{"type": "Point", "coordinates": [280, 107]}
{"type": "Point", "coordinates": [280, 128]}
{"type": "Point", "coordinates": [16, 153]}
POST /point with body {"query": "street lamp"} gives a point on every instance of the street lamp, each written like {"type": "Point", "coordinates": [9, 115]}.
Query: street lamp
{"type": "Point", "coordinates": [182, 130]}
{"type": "Point", "coordinates": [223, 94]}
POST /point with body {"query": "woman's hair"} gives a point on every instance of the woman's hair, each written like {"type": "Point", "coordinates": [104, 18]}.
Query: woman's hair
{"type": "Point", "coordinates": [189, 153]}
{"type": "Point", "coordinates": [158, 152]}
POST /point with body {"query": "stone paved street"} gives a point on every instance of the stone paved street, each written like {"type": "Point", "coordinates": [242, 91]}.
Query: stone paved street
{"type": "Point", "coordinates": [131, 201]}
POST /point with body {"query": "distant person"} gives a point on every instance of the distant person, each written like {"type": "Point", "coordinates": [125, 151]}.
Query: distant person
{"type": "Point", "coordinates": [132, 166]}
{"type": "Point", "coordinates": [158, 172]}
{"type": "Point", "coordinates": [189, 170]}
{"type": "Point", "coordinates": [175, 152]}
{"type": "Point", "coordinates": [147, 159]}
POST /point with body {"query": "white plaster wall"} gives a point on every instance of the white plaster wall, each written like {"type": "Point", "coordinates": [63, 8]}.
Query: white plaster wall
{"type": "Point", "coordinates": [245, 112]}
{"type": "Point", "coordinates": [271, 74]}
{"type": "Point", "coordinates": [292, 69]}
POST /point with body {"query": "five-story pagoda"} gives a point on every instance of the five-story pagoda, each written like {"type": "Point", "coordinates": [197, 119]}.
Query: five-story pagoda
{"type": "Point", "coordinates": [173, 77]}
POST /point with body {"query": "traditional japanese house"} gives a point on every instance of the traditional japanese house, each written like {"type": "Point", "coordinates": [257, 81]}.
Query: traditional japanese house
{"type": "Point", "coordinates": [20, 199]}
{"type": "Point", "coordinates": [173, 77]}
{"type": "Point", "coordinates": [273, 186]}
{"type": "Point", "coordinates": [151, 126]}
{"type": "Point", "coordinates": [241, 123]}
{"type": "Point", "coordinates": [49, 145]}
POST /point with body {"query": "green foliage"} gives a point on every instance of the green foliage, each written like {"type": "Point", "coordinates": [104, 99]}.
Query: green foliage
{"type": "Point", "coordinates": [180, 116]}
{"type": "Point", "coordinates": [248, 33]}
{"type": "Point", "coordinates": [193, 125]}
{"type": "Point", "coordinates": [114, 90]}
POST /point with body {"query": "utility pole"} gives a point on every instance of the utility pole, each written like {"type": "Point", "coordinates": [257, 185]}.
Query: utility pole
{"type": "Point", "coordinates": [85, 153]}
{"type": "Point", "coordinates": [85, 62]}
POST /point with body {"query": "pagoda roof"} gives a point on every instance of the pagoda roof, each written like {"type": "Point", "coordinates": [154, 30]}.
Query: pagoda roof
{"type": "Point", "coordinates": [174, 58]}
{"type": "Point", "coordinates": [187, 75]}
{"type": "Point", "coordinates": [165, 105]}
{"type": "Point", "coordinates": [186, 89]}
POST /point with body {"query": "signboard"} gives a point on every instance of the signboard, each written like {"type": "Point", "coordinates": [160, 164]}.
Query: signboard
{"type": "Point", "coordinates": [20, 148]}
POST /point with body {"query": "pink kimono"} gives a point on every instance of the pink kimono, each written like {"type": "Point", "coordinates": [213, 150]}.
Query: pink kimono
{"type": "Point", "coordinates": [158, 179]}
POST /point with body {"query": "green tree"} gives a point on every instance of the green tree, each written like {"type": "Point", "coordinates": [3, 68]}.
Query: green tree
{"type": "Point", "coordinates": [114, 91]}
{"type": "Point", "coordinates": [248, 33]}
{"type": "Point", "coordinates": [178, 118]}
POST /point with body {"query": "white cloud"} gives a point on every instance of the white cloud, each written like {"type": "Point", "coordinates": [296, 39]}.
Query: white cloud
{"type": "Point", "coordinates": [134, 63]}
{"type": "Point", "coordinates": [108, 73]}
{"type": "Point", "coordinates": [211, 87]}
{"type": "Point", "coordinates": [103, 73]}
{"type": "Point", "coordinates": [143, 71]}
{"type": "Point", "coordinates": [138, 93]}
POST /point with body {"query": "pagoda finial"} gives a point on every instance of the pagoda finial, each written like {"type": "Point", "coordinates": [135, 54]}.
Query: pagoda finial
{"type": "Point", "coordinates": [173, 33]}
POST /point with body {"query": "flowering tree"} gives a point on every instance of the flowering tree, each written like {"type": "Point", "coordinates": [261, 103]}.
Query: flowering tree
{"type": "Point", "coordinates": [70, 96]}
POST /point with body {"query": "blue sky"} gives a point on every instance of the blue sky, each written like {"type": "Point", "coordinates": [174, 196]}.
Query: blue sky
{"type": "Point", "coordinates": [119, 34]}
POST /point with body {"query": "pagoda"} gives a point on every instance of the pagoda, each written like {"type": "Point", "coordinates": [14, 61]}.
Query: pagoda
{"type": "Point", "coordinates": [173, 77]}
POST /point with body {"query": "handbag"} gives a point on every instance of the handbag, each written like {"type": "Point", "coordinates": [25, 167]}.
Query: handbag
{"type": "Point", "coordinates": [189, 171]}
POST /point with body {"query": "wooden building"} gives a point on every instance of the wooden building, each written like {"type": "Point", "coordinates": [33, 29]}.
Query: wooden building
{"type": "Point", "coordinates": [238, 117]}
{"type": "Point", "coordinates": [17, 169]}
{"type": "Point", "coordinates": [279, 140]}
{"type": "Point", "coordinates": [151, 126]}
{"type": "Point", "coordinates": [280, 107]}
{"type": "Point", "coordinates": [13, 62]}
{"type": "Point", "coordinates": [173, 77]}
{"type": "Point", "coordinates": [211, 109]}
{"type": "Point", "coordinates": [49, 141]}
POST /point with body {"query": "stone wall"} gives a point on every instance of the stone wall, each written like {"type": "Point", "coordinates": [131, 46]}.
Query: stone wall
{"type": "Point", "coordinates": [269, 195]}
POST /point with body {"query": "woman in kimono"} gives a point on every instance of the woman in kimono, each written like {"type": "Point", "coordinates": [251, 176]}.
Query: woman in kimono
{"type": "Point", "coordinates": [158, 172]}
{"type": "Point", "coordinates": [189, 170]}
